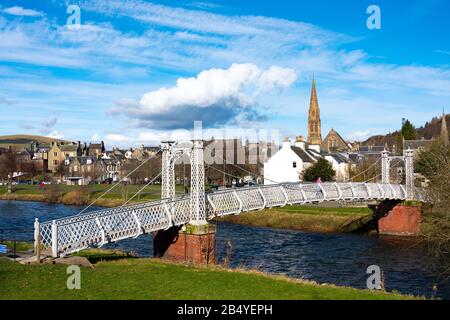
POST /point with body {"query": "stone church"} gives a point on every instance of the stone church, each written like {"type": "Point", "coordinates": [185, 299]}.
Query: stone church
{"type": "Point", "coordinates": [292, 159]}
{"type": "Point", "coordinates": [333, 141]}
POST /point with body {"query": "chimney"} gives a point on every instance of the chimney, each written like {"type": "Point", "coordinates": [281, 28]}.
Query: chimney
{"type": "Point", "coordinates": [300, 142]}
{"type": "Point", "coordinates": [286, 143]}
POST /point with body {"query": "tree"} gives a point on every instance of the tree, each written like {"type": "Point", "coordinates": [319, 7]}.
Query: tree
{"type": "Point", "coordinates": [321, 169]}
{"type": "Point", "coordinates": [8, 165]}
{"type": "Point", "coordinates": [408, 130]}
{"type": "Point", "coordinates": [434, 165]}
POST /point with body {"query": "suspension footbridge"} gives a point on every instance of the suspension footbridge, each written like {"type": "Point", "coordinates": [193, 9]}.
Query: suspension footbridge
{"type": "Point", "coordinates": [96, 228]}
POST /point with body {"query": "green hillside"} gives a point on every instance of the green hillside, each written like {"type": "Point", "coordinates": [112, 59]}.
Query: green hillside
{"type": "Point", "coordinates": [20, 141]}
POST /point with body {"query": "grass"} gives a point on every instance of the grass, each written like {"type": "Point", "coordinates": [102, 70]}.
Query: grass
{"type": "Point", "coordinates": [132, 278]}
{"type": "Point", "coordinates": [20, 245]}
{"type": "Point", "coordinates": [307, 218]}
{"type": "Point", "coordinates": [111, 199]}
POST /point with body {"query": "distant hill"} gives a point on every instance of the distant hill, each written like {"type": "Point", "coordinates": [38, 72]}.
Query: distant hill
{"type": "Point", "coordinates": [20, 141]}
{"type": "Point", "coordinates": [429, 130]}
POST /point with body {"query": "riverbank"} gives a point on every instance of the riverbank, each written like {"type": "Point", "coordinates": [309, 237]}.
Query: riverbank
{"type": "Point", "coordinates": [147, 278]}
{"type": "Point", "coordinates": [308, 218]}
{"type": "Point", "coordinates": [296, 217]}
{"type": "Point", "coordinates": [76, 195]}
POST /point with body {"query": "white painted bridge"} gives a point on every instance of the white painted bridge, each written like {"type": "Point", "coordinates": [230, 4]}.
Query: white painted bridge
{"type": "Point", "coordinates": [96, 228]}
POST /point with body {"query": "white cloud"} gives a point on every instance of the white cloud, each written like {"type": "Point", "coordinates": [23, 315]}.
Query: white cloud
{"type": "Point", "coordinates": [19, 11]}
{"type": "Point", "coordinates": [217, 86]}
{"type": "Point", "coordinates": [114, 137]}
{"type": "Point", "coordinates": [359, 135]}
{"type": "Point", "coordinates": [214, 95]}
{"type": "Point", "coordinates": [56, 135]}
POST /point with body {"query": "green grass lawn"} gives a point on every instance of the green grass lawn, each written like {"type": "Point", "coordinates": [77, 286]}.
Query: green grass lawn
{"type": "Point", "coordinates": [34, 192]}
{"type": "Point", "coordinates": [306, 218]}
{"type": "Point", "coordinates": [132, 278]}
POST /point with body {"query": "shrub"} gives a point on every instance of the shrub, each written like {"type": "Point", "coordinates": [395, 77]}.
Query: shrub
{"type": "Point", "coordinates": [52, 194]}
{"type": "Point", "coordinates": [77, 197]}
{"type": "Point", "coordinates": [322, 168]}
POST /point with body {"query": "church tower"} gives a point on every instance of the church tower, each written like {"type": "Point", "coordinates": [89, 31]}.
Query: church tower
{"type": "Point", "coordinates": [314, 131]}
{"type": "Point", "coordinates": [444, 130]}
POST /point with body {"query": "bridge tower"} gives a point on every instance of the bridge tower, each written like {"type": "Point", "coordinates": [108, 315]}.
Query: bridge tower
{"type": "Point", "coordinates": [385, 167]}
{"type": "Point", "coordinates": [167, 171]}
{"type": "Point", "coordinates": [409, 172]}
{"type": "Point", "coordinates": [194, 242]}
{"type": "Point", "coordinates": [198, 212]}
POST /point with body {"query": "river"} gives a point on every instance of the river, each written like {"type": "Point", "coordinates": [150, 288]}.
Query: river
{"type": "Point", "coordinates": [341, 259]}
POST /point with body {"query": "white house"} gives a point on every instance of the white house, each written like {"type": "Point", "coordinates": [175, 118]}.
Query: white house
{"type": "Point", "coordinates": [341, 164]}
{"type": "Point", "coordinates": [287, 164]}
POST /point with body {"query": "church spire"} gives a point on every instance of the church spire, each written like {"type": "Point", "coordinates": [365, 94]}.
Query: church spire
{"type": "Point", "coordinates": [444, 130]}
{"type": "Point", "coordinates": [314, 125]}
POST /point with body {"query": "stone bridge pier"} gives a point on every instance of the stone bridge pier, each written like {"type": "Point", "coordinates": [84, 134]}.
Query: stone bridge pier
{"type": "Point", "coordinates": [395, 217]}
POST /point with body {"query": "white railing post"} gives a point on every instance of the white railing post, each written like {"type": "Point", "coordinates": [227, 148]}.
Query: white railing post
{"type": "Point", "coordinates": [381, 190]}
{"type": "Point", "coordinates": [102, 231]}
{"type": "Point", "coordinates": [264, 199]}
{"type": "Point", "coordinates": [54, 239]}
{"type": "Point", "coordinates": [37, 239]}
{"type": "Point", "coordinates": [285, 195]}
{"type": "Point", "coordinates": [241, 205]}
{"type": "Point", "coordinates": [338, 190]}
{"type": "Point", "coordinates": [138, 224]}
{"type": "Point", "coordinates": [303, 193]}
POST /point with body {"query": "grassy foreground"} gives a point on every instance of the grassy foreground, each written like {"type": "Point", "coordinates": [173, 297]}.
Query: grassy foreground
{"type": "Point", "coordinates": [132, 278]}
{"type": "Point", "coordinates": [307, 218]}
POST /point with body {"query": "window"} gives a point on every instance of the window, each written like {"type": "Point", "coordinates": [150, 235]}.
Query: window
{"type": "Point", "coordinates": [55, 154]}
{"type": "Point", "coordinates": [294, 164]}
{"type": "Point", "coordinates": [55, 162]}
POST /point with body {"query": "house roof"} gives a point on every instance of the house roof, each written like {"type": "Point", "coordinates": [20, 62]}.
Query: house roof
{"type": "Point", "coordinates": [83, 159]}
{"type": "Point", "coordinates": [69, 147]}
{"type": "Point", "coordinates": [305, 155]}
{"type": "Point", "coordinates": [340, 158]}
{"type": "Point", "coordinates": [415, 144]}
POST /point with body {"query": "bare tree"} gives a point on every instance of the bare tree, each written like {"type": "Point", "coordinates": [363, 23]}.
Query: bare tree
{"type": "Point", "coordinates": [8, 165]}
{"type": "Point", "coordinates": [434, 164]}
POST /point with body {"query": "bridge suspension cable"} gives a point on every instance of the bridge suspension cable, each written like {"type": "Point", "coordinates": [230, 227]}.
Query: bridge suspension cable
{"type": "Point", "coordinates": [362, 172]}
{"type": "Point", "coordinates": [117, 183]}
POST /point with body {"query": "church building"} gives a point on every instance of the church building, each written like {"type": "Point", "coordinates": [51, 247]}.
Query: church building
{"type": "Point", "coordinates": [292, 159]}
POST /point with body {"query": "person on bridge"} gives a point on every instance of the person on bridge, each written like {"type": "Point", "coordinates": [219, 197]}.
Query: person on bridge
{"type": "Point", "coordinates": [319, 189]}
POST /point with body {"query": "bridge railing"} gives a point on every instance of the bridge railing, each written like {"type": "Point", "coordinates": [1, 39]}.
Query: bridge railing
{"type": "Point", "coordinates": [95, 228]}
{"type": "Point", "coordinates": [235, 201]}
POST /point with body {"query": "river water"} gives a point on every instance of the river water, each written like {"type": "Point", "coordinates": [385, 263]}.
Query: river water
{"type": "Point", "coordinates": [341, 259]}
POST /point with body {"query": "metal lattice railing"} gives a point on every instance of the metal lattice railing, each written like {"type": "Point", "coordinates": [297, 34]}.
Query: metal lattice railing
{"type": "Point", "coordinates": [95, 228]}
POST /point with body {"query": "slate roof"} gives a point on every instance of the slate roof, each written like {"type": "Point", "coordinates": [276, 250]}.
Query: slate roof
{"type": "Point", "coordinates": [306, 156]}
{"type": "Point", "coordinates": [69, 147]}
{"type": "Point", "coordinates": [416, 144]}
{"type": "Point", "coordinates": [340, 158]}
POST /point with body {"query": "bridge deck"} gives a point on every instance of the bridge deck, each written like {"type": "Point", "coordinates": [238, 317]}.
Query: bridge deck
{"type": "Point", "coordinates": [95, 228]}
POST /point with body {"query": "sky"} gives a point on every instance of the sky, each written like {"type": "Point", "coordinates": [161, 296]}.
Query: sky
{"type": "Point", "coordinates": [136, 72]}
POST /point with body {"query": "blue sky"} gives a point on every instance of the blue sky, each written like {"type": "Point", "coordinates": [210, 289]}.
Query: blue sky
{"type": "Point", "coordinates": [135, 71]}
